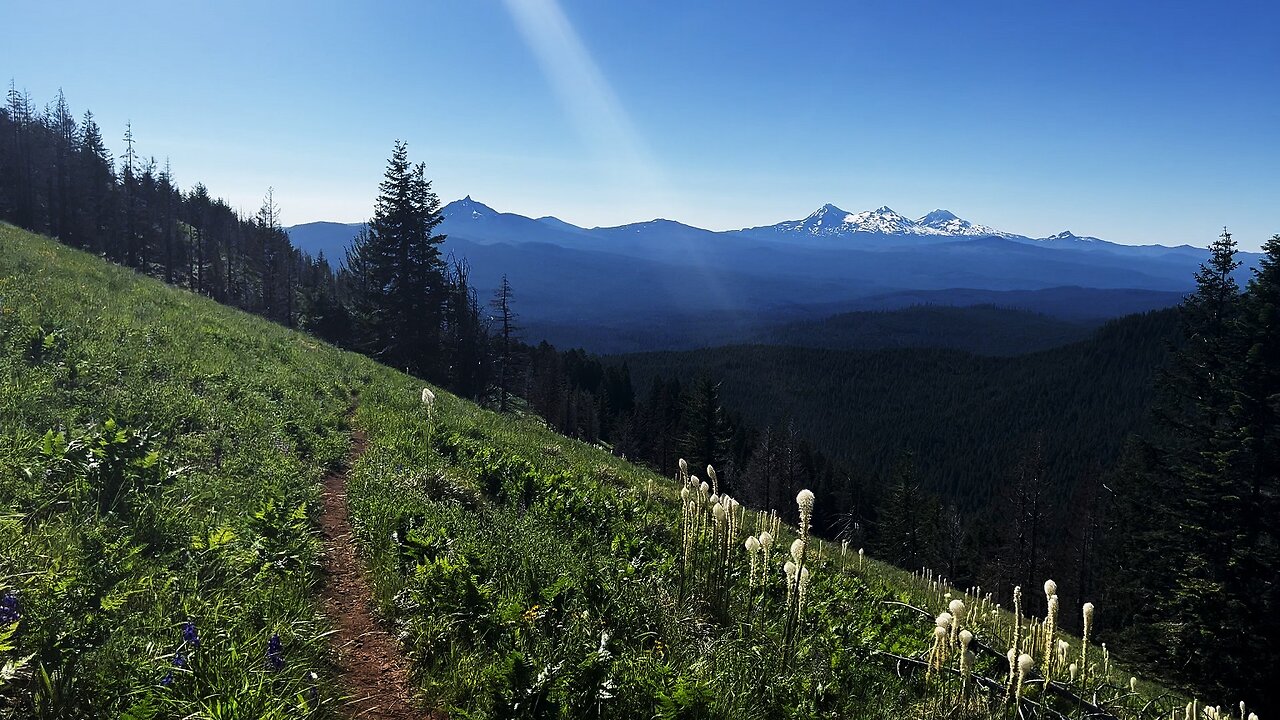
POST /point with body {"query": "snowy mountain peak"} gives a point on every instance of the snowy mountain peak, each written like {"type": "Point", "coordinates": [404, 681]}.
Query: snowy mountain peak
{"type": "Point", "coordinates": [881, 220]}
{"type": "Point", "coordinates": [938, 216]}
{"type": "Point", "coordinates": [945, 222]}
{"type": "Point", "coordinates": [1066, 236]}
{"type": "Point", "coordinates": [466, 207]}
{"type": "Point", "coordinates": [826, 215]}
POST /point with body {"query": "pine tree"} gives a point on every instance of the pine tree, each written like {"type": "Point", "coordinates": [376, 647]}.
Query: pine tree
{"type": "Point", "coordinates": [397, 271]}
{"type": "Point", "coordinates": [1171, 535]}
{"type": "Point", "coordinates": [707, 432]}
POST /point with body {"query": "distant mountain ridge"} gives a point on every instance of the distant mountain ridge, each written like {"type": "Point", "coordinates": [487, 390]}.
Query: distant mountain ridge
{"type": "Point", "coordinates": [477, 221]}
{"type": "Point", "coordinates": [656, 284]}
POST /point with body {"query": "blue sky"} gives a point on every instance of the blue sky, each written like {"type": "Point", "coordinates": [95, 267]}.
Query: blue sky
{"type": "Point", "coordinates": [1135, 122]}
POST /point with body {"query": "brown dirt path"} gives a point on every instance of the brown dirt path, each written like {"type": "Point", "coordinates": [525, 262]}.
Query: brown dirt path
{"type": "Point", "coordinates": [371, 669]}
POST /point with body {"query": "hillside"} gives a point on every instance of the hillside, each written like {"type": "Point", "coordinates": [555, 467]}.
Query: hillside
{"type": "Point", "coordinates": [159, 496]}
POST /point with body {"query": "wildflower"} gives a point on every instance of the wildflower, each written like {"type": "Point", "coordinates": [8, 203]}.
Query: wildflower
{"type": "Point", "coordinates": [1050, 588]}
{"type": "Point", "coordinates": [957, 611]}
{"type": "Point", "coordinates": [189, 634]}
{"type": "Point", "coordinates": [860, 553]}
{"type": "Point", "coordinates": [944, 621]}
{"type": "Point", "coordinates": [179, 660]}
{"type": "Point", "coordinates": [797, 548]}
{"type": "Point", "coordinates": [1087, 610]}
{"type": "Point", "coordinates": [428, 399]}
{"type": "Point", "coordinates": [705, 488]}
{"type": "Point", "coordinates": [167, 680]}
{"type": "Point", "coordinates": [803, 583]}
{"type": "Point", "coordinates": [275, 653]}
{"type": "Point", "coordinates": [684, 493]}
{"type": "Point", "coordinates": [684, 467]}
{"type": "Point", "coordinates": [1025, 664]}
{"type": "Point", "coordinates": [790, 569]}
{"type": "Point", "coordinates": [9, 609]}
{"type": "Point", "coordinates": [753, 548]}
{"type": "Point", "coordinates": [804, 499]}
{"type": "Point", "coordinates": [715, 481]}
{"type": "Point", "coordinates": [1072, 670]}
{"type": "Point", "coordinates": [1133, 684]}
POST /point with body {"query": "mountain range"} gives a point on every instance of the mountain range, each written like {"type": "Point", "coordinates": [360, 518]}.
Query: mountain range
{"type": "Point", "coordinates": [672, 285]}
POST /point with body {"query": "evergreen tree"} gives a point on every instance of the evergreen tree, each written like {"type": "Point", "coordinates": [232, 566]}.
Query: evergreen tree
{"type": "Point", "coordinates": [707, 432]}
{"type": "Point", "coordinates": [397, 271]}
{"type": "Point", "coordinates": [1172, 534]}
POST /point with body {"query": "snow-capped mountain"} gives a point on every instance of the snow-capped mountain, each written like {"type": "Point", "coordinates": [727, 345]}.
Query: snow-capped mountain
{"type": "Point", "coordinates": [945, 222]}
{"type": "Point", "coordinates": [466, 207]}
{"type": "Point", "coordinates": [831, 221]}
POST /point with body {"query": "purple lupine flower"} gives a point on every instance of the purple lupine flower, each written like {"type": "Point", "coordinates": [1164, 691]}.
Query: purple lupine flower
{"type": "Point", "coordinates": [167, 680]}
{"type": "Point", "coordinates": [9, 609]}
{"type": "Point", "coordinates": [189, 634]}
{"type": "Point", "coordinates": [179, 660]}
{"type": "Point", "coordinates": [275, 653]}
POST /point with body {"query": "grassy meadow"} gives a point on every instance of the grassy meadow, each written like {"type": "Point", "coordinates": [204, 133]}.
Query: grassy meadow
{"type": "Point", "coordinates": [160, 458]}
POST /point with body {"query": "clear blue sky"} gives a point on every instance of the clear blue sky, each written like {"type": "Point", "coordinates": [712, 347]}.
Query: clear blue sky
{"type": "Point", "coordinates": [1136, 122]}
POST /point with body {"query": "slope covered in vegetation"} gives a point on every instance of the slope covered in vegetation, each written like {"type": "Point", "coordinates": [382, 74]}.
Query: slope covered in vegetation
{"type": "Point", "coordinates": [159, 473]}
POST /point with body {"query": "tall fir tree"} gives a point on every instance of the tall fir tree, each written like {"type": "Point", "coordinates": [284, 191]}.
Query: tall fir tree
{"type": "Point", "coordinates": [397, 271]}
{"type": "Point", "coordinates": [1177, 505]}
{"type": "Point", "coordinates": [707, 432]}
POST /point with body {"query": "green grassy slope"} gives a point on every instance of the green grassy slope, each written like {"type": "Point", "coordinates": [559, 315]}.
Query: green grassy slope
{"type": "Point", "coordinates": [527, 575]}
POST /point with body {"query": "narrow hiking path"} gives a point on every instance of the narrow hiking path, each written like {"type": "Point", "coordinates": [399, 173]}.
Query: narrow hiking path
{"type": "Point", "coordinates": [372, 671]}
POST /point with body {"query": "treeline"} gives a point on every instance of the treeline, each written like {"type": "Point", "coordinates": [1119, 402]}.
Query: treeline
{"type": "Point", "coordinates": [397, 300]}
{"type": "Point", "coordinates": [1193, 548]}
{"type": "Point", "coordinates": [57, 177]}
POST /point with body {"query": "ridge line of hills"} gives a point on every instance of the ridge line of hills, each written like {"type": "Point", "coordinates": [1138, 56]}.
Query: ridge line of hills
{"type": "Point", "coordinates": [665, 285]}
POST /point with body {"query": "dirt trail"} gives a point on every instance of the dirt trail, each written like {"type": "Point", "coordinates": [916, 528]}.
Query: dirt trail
{"type": "Point", "coordinates": [372, 670]}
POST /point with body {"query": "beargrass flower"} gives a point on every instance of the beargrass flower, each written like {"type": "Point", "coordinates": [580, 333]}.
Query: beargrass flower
{"type": "Point", "coordinates": [189, 634]}
{"type": "Point", "coordinates": [1133, 684]}
{"type": "Point", "coordinates": [797, 548]}
{"type": "Point", "coordinates": [275, 653]}
{"type": "Point", "coordinates": [9, 609]}
{"type": "Point", "coordinates": [428, 399]}
{"type": "Point", "coordinates": [804, 500]}
{"type": "Point", "coordinates": [1025, 665]}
